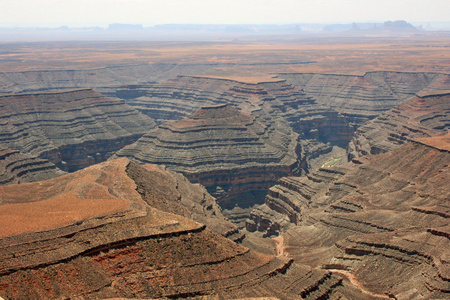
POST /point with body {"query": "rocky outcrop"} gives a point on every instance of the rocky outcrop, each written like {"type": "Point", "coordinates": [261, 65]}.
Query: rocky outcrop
{"type": "Point", "coordinates": [171, 192]}
{"type": "Point", "coordinates": [362, 98]}
{"type": "Point", "coordinates": [319, 127]}
{"type": "Point", "coordinates": [92, 234]}
{"type": "Point", "coordinates": [232, 153]}
{"type": "Point", "coordinates": [72, 129]}
{"type": "Point", "coordinates": [16, 167]}
{"type": "Point", "coordinates": [310, 119]}
{"type": "Point", "coordinates": [382, 219]}
{"type": "Point", "coordinates": [424, 115]}
{"type": "Point", "coordinates": [291, 196]}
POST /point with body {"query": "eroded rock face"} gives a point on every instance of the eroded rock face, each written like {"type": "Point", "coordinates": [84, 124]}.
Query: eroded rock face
{"type": "Point", "coordinates": [102, 79]}
{"type": "Point", "coordinates": [183, 95]}
{"type": "Point", "coordinates": [234, 155]}
{"type": "Point", "coordinates": [16, 167]}
{"type": "Point", "coordinates": [171, 192]}
{"type": "Point", "coordinates": [95, 234]}
{"type": "Point", "coordinates": [362, 98]}
{"type": "Point", "coordinates": [424, 115]}
{"type": "Point", "coordinates": [72, 129]}
{"type": "Point", "coordinates": [382, 219]}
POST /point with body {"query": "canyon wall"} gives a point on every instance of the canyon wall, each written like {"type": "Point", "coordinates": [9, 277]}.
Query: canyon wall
{"type": "Point", "coordinates": [375, 219]}
{"type": "Point", "coordinates": [233, 154]}
{"type": "Point", "coordinates": [95, 234]}
{"type": "Point", "coordinates": [424, 115]}
{"type": "Point", "coordinates": [101, 79]}
{"type": "Point", "coordinates": [183, 95]}
{"type": "Point", "coordinates": [362, 98]}
{"type": "Point", "coordinates": [16, 167]}
{"type": "Point", "coordinates": [72, 128]}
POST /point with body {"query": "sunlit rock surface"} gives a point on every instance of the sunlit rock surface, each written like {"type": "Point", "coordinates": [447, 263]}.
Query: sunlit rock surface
{"type": "Point", "coordinates": [376, 218]}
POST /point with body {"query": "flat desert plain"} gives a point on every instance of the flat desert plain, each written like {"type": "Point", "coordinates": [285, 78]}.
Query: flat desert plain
{"type": "Point", "coordinates": [249, 60]}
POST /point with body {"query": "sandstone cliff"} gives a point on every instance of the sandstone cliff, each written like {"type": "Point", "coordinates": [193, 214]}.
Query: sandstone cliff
{"type": "Point", "coordinates": [381, 221]}
{"type": "Point", "coordinates": [424, 115]}
{"type": "Point", "coordinates": [72, 129]}
{"type": "Point", "coordinates": [16, 167]}
{"type": "Point", "coordinates": [93, 234]}
{"type": "Point", "coordinates": [232, 153]}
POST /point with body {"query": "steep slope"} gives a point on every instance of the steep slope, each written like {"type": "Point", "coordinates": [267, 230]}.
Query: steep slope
{"type": "Point", "coordinates": [362, 98]}
{"type": "Point", "coordinates": [381, 220]}
{"type": "Point", "coordinates": [16, 167]}
{"type": "Point", "coordinates": [72, 129]}
{"type": "Point", "coordinates": [231, 152]}
{"type": "Point", "coordinates": [424, 115]}
{"type": "Point", "coordinates": [171, 192]}
{"type": "Point", "coordinates": [90, 235]}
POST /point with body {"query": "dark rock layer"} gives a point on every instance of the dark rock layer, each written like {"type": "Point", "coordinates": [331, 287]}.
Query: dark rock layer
{"type": "Point", "coordinates": [16, 167]}
{"type": "Point", "coordinates": [181, 96]}
{"type": "Point", "coordinates": [72, 129]}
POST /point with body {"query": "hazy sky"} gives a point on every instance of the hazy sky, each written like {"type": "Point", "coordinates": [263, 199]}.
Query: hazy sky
{"type": "Point", "coordinates": [103, 12]}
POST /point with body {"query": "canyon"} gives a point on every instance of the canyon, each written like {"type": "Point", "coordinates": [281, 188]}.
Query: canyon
{"type": "Point", "coordinates": [217, 170]}
{"type": "Point", "coordinates": [377, 217]}
{"type": "Point", "coordinates": [71, 128]}
{"type": "Point", "coordinates": [19, 168]}
{"type": "Point", "coordinates": [233, 154]}
{"type": "Point", "coordinates": [128, 245]}
{"type": "Point", "coordinates": [424, 115]}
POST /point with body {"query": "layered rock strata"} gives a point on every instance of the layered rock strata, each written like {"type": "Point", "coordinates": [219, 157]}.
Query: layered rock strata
{"type": "Point", "coordinates": [91, 234]}
{"type": "Point", "coordinates": [171, 192]}
{"type": "Point", "coordinates": [72, 129]}
{"type": "Point", "coordinates": [381, 221]}
{"type": "Point", "coordinates": [362, 98]}
{"type": "Point", "coordinates": [16, 167]}
{"type": "Point", "coordinates": [234, 155]}
{"type": "Point", "coordinates": [358, 98]}
{"type": "Point", "coordinates": [102, 79]}
{"type": "Point", "coordinates": [183, 95]}
{"type": "Point", "coordinates": [424, 115]}
{"type": "Point", "coordinates": [319, 127]}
